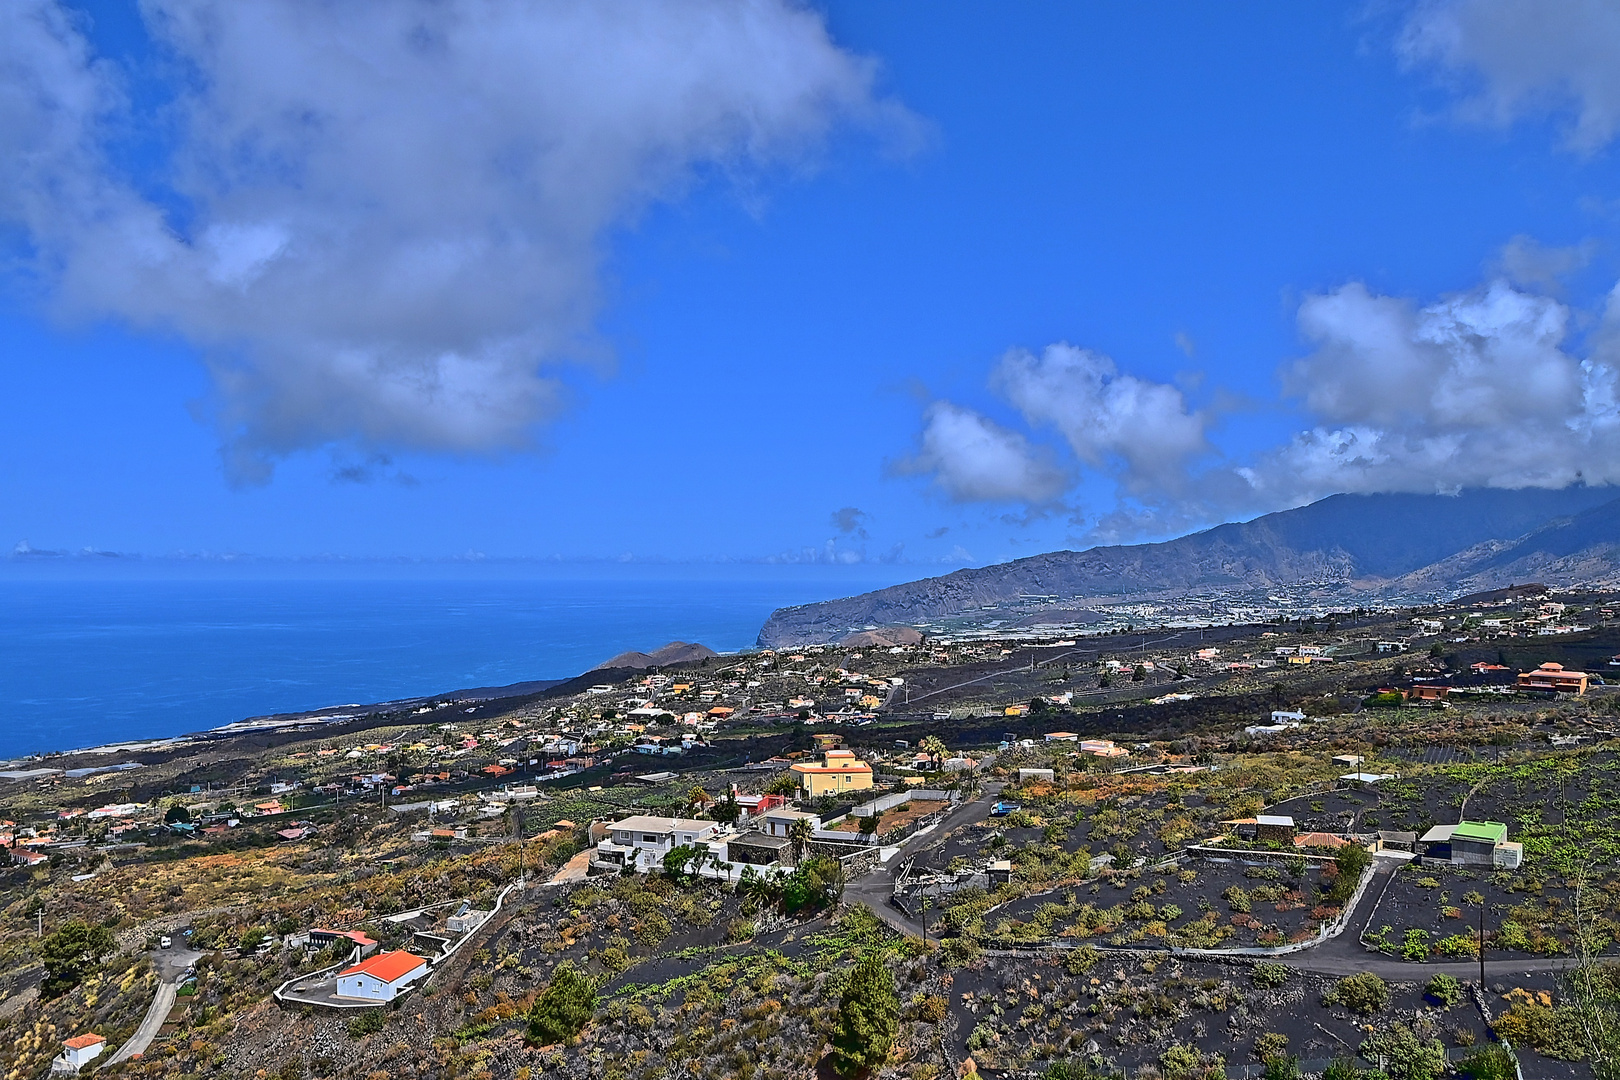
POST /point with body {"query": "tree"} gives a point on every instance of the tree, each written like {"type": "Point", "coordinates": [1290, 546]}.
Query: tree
{"type": "Point", "coordinates": [934, 747]}
{"type": "Point", "coordinates": [1138, 673]}
{"type": "Point", "coordinates": [176, 814]}
{"type": "Point", "coordinates": [697, 798]}
{"type": "Point", "coordinates": [799, 837]}
{"type": "Point", "coordinates": [727, 810]}
{"type": "Point", "coordinates": [70, 953]}
{"type": "Point", "coordinates": [679, 860]}
{"type": "Point", "coordinates": [563, 1008]}
{"type": "Point", "coordinates": [786, 783]}
{"type": "Point", "coordinates": [1351, 862]}
{"type": "Point", "coordinates": [868, 1017]}
{"type": "Point", "coordinates": [869, 825]}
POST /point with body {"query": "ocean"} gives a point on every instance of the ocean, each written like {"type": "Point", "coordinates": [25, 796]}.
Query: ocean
{"type": "Point", "coordinates": [112, 656]}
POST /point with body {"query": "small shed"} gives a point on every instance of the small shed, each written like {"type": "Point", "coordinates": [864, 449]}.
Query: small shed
{"type": "Point", "coordinates": [1026, 775]}
{"type": "Point", "coordinates": [1000, 872]}
{"type": "Point", "coordinates": [1277, 827]}
{"type": "Point", "coordinates": [758, 849]}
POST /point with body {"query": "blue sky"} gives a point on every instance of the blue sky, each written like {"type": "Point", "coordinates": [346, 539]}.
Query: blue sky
{"type": "Point", "coordinates": [935, 284]}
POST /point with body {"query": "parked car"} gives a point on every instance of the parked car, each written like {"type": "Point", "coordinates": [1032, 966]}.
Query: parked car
{"type": "Point", "coordinates": [165, 942]}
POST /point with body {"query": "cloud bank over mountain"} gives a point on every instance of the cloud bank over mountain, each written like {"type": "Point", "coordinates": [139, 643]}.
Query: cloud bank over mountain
{"type": "Point", "coordinates": [385, 224]}
{"type": "Point", "coordinates": [1475, 389]}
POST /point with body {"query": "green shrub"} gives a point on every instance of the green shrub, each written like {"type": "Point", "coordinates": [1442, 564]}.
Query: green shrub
{"type": "Point", "coordinates": [1445, 989]}
{"type": "Point", "coordinates": [1415, 945]}
{"type": "Point", "coordinates": [1270, 1045]}
{"type": "Point", "coordinates": [1363, 993]}
{"type": "Point", "coordinates": [1342, 1069]}
{"type": "Point", "coordinates": [1458, 945]}
{"type": "Point", "coordinates": [1269, 975]}
{"type": "Point", "coordinates": [1282, 1067]}
{"type": "Point", "coordinates": [1488, 1063]}
{"type": "Point", "coordinates": [367, 1023]}
{"type": "Point", "coordinates": [1404, 1054]}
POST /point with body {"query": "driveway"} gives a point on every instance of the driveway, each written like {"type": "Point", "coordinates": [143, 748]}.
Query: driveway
{"type": "Point", "coordinates": [171, 966]}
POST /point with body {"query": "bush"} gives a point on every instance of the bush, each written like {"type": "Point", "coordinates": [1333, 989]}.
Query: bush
{"type": "Point", "coordinates": [367, 1023]}
{"type": "Point", "coordinates": [1488, 1063]}
{"type": "Point", "coordinates": [1554, 1033]}
{"type": "Point", "coordinates": [931, 1010]}
{"type": "Point", "coordinates": [1282, 1067]}
{"type": "Point", "coordinates": [652, 928]}
{"type": "Point", "coordinates": [1459, 945]}
{"type": "Point", "coordinates": [1269, 976]}
{"type": "Point", "coordinates": [1363, 994]}
{"type": "Point", "coordinates": [1184, 1062]}
{"type": "Point", "coordinates": [1445, 989]}
{"type": "Point", "coordinates": [1068, 1070]}
{"type": "Point", "coordinates": [1415, 945]}
{"type": "Point", "coordinates": [1270, 1045]}
{"type": "Point", "coordinates": [563, 1009]}
{"type": "Point", "coordinates": [1342, 1069]}
{"type": "Point", "coordinates": [1405, 1056]}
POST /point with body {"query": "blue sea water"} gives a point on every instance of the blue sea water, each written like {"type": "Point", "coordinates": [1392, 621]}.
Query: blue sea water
{"type": "Point", "coordinates": [86, 661]}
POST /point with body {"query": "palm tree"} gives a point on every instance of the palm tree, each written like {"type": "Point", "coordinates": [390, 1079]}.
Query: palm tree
{"type": "Point", "coordinates": [799, 834]}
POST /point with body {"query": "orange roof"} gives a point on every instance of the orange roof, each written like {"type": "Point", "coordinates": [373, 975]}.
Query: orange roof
{"type": "Point", "coordinates": [387, 967]}
{"type": "Point", "coordinates": [1320, 839]}
{"type": "Point", "coordinates": [80, 1042]}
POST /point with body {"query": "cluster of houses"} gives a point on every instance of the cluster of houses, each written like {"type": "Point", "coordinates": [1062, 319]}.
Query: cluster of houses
{"type": "Point", "coordinates": [769, 832]}
{"type": "Point", "coordinates": [1466, 843]}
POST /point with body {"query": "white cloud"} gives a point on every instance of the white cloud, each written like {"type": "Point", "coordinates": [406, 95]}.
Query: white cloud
{"type": "Point", "coordinates": [1476, 389]}
{"type": "Point", "coordinates": [1511, 59]}
{"type": "Point", "coordinates": [1139, 430]}
{"type": "Point", "coordinates": [973, 459]}
{"type": "Point", "coordinates": [393, 216]}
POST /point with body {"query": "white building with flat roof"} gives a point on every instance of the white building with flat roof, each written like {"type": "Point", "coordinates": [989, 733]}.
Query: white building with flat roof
{"type": "Point", "coordinates": [642, 841]}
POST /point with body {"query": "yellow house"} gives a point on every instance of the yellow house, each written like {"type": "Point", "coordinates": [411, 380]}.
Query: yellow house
{"type": "Point", "coordinates": [839, 771]}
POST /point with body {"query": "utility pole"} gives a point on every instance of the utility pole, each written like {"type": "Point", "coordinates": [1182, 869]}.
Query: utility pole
{"type": "Point", "coordinates": [1482, 946]}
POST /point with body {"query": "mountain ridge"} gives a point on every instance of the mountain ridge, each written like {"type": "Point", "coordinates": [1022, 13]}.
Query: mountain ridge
{"type": "Point", "coordinates": [1373, 546]}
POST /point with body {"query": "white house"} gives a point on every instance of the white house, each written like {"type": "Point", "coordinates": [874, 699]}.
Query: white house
{"type": "Point", "coordinates": [78, 1052]}
{"type": "Point", "coordinates": [642, 841]}
{"type": "Point", "coordinates": [382, 977]}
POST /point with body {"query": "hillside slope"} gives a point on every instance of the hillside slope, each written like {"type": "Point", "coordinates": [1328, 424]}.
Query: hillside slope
{"type": "Point", "coordinates": [1376, 543]}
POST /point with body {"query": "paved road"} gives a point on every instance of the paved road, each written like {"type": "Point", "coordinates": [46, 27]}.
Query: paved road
{"type": "Point", "coordinates": [874, 888]}
{"type": "Point", "coordinates": [171, 966]}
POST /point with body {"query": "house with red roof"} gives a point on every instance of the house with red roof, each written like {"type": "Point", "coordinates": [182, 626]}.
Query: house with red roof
{"type": "Point", "coordinates": [381, 978]}
{"type": "Point", "coordinates": [78, 1052]}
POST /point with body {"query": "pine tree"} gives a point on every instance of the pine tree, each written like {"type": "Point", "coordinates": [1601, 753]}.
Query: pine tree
{"type": "Point", "coordinates": [868, 1018]}
{"type": "Point", "coordinates": [563, 1010]}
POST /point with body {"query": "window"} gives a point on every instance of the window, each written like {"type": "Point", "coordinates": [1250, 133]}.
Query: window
{"type": "Point", "coordinates": [648, 838]}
